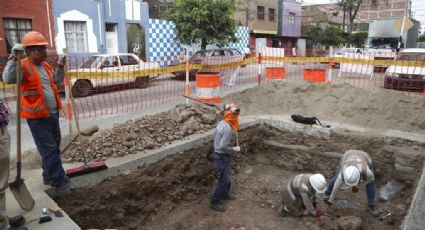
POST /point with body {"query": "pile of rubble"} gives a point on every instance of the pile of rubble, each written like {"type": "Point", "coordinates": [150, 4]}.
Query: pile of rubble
{"type": "Point", "coordinates": [149, 132]}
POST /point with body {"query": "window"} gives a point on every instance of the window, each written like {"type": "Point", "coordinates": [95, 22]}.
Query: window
{"type": "Point", "coordinates": [291, 18]}
{"type": "Point", "coordinates": [111, 27]}
{"type": "Point", "coordinates": [271, 15]}
{"type": "Point", "coordinates": [14, 30]}
{"type": "Point", "coordinates": [76, 36]}
{"type": "Point", "coordinates": [260, 12]}
{"type": "Point", "coordinates": [128, 60]}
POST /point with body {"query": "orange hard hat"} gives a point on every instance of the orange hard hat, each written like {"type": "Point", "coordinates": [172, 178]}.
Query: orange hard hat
{"type": "Point", "coordinates": [33, 38]}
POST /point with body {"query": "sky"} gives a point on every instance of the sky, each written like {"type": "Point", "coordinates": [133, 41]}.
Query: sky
{"type": "Point", "coordinates": [418, 9]}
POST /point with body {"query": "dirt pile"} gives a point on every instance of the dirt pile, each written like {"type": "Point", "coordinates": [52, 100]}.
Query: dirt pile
{"type": "Point", "coordinates": [380, 109]}
{"type": "Point", "coordinates": [148, 132]}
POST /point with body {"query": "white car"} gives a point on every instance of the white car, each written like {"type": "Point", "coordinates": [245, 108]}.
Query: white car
{"type": "Point", "coordinates": [111, 69]}
{"type": "Point", "coordinates": [407, 73]}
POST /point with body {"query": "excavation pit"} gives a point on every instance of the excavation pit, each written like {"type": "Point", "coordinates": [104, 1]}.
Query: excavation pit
{"type": "Point", "coordinates": [174, 192]}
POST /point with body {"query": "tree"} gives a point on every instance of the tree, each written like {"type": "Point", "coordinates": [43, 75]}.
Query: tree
{"type": "Point", "coordinates": [205, 21]}
{"type": "Point", "coordinates": [358, 39]}
{"type": "Point", "coordinates": [350, 9]}
{"type": "Point", "coordinates": [421, 38]}
{"type": "Point", "coordinates": [329, 36]}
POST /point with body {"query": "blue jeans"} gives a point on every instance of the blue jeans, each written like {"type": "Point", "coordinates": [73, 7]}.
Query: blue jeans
{"type": "Point", "coordinates": [370, 188]}
{"type": "Point", "coordinates": [222, 164]}
{"type": "Point", "coordinates": [47, 137]}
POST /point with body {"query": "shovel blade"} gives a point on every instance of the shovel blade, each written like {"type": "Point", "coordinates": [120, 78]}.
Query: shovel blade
{"type": "Point", "coordinates": [22, 195]}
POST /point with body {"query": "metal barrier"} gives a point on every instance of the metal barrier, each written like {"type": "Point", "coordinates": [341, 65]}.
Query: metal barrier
{"type": "Point", "coordinates": [109, 85]}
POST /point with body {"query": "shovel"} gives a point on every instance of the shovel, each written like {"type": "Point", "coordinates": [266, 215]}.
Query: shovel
{"type": "Point", "coordinates": [17, 187]}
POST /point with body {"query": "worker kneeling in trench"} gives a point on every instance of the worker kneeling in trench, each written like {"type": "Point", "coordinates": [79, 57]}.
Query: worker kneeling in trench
{"type": "Point", "coordinates": [299, 197]}
{"type": "Point", "coordinates": [356, 168]}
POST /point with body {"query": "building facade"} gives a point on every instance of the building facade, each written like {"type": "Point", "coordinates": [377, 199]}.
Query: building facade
{"type": "Point", "coordinates": [332, 14]}
{"type": "Point", "coordinates": [20, 16]}
{"type": "Point", "coordinates": [272, 23]}
{"type": "Point", "coordinates": [85, 27]}
{"type": "Point", "coordinates": [290, 26]}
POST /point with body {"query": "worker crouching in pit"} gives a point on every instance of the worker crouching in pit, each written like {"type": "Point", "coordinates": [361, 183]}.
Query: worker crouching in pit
{"type": "Point", "coordinates": [356, 168]}
{"type": "Point", "coordinates": [224, 147]}
{"type": "Point", "coordinates": [299, 196]}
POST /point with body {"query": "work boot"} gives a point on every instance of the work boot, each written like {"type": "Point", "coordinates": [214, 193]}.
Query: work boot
{"type": "Point", "coordinates": [16, 221]}
{"type": "Point", "coordinates": [49, 182]}
{"type": "Point", "coordinates": [63, 190]}
{"type": "Point", "coordinates": [217, 206]}
{"type": "Point", "coordinates": [374, 211]}
{"type": "Point", "coordinates": [18, 228]}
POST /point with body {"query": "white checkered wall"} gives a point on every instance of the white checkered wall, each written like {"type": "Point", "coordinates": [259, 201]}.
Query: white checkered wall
{"type": "Point", "coordinates": [242, 33]}
{"type": "Point", "coordinates": [165, 50]}
{"type": "Point", "coordinates": [162, 46]}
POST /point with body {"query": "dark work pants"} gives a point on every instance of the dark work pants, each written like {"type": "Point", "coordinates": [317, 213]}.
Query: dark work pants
{"type": "Point", "coordinates": [222, 164]}
{"type": "Point", "coordinates": [370, 188]}
{"type": "Point", "coordinates": [47, 137]}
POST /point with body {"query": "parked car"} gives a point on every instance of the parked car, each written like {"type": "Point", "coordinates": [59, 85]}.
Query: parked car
{"type": "Point", "coordinates": [407, 78]}
{"type": "Point", "coordinates": [109, 69]}
{"type": "Point", "coordinates": [344, 53]}
{"type": "Point", "coordinates": [209, 57]}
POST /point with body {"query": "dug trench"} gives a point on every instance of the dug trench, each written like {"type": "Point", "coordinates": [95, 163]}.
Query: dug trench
{"type": "Point", "coordinates": [174, 192]}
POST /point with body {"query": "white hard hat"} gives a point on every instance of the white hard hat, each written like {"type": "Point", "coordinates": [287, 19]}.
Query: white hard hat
{"type": "Point", "coordinates": [351, 176]}
{"type": "Point", "coordinates": [318, 182]}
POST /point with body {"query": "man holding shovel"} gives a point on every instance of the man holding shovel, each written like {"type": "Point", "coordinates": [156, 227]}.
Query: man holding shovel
{"type": "Point", "coordinates": [5, 222]}
{"type": "Point", "coordinates": [223, 148]}
{"type": "Point", "coordinates": [40, 105]}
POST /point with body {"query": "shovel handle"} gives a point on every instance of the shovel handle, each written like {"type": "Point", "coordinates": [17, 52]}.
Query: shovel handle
{"type": "Point", "coordinates": [18, 115]}
{"type": "Point", "coordinates": [197, 100]}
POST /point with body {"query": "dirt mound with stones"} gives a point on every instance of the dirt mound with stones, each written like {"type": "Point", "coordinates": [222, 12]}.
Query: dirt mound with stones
{"type": "Point", "coordinates": [148, 132]}
{"type": "Point", "coordinates": [380, 109]}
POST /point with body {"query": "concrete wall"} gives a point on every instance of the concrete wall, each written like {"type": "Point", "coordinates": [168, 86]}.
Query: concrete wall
{"type": "Point", "coordinates": [96, 13]}
{"type": "Point", "coordinates": [291, 30]}
{"type": "Point", "coordinates": [39, 12]}
{"type": "Point", "coordinates": [89, 11]}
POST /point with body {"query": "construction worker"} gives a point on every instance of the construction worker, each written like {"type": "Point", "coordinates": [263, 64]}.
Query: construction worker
{"type": "Point", "coordinates": [5, 222]}
{"type": "Point", "coordinates": [223, 148]}
{"type": "Point", "coordinates": [356, 168]}
{"type": "Point", "coordinates": [299, 197]}
{"type": "Point", "coordinates": [40, 104]}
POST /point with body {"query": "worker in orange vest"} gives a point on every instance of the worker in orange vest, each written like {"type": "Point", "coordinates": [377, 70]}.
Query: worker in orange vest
{"type": "Point", "coordinates": [40, 105]}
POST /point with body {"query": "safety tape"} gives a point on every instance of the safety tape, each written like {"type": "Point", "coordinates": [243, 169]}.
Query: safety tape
{"type": "Point", "coordinates": [217, 67]}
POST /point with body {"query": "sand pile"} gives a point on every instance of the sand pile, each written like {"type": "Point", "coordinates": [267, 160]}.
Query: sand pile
{"type": "Point", "coordinates": [379, 109]}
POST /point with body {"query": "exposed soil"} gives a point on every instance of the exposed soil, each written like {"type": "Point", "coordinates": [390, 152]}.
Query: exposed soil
{"type": "Point", "coordinates": [340, 103]}
{"type": "Point", "coordinates": [382, 109]}
{"type": "Point", "coordinates": [174, 193]}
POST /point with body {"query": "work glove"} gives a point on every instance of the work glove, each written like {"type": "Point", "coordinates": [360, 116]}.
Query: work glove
{"type": "Point", "coordinates": [17, 48]}
{"type": "Point", "coordinates": [318, 213]}
{"type": "Point", "coordinates": [236, 148]}
{"type": "Point", "coordinates": [61, 59]}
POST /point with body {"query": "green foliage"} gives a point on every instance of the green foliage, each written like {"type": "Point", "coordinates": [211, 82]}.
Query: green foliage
{"type": "Point", "coordinates": [313, 34]}
{"type": "Point", "coordinates": [421, 38]}
{"type": "Point", "coordinates": [330, 36]}
{"type": "Point", "coordinates": [207, 21]}
{"type": "Point", "coordinates": [358, 39]}
{"type": "Point", "coordinates": [333, 36]}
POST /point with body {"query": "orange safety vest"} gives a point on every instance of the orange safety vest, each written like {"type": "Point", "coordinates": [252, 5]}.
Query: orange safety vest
{"type": "Point", "coordinates": [33, 103]}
